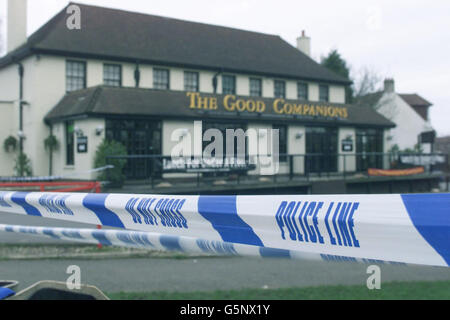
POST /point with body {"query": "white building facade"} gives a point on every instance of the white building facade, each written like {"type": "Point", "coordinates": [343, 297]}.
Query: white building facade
{"type": "Point", "coordinates": [409, 112]}
{"type": "Point", "coordinates": [77, 86]}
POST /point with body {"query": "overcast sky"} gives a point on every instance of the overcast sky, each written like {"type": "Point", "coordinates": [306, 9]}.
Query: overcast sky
{"type": "Point", "coordinates": [408, 40]}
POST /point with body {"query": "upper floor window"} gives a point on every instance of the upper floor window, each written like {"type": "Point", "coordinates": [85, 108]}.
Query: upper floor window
{"type": "Point", "coordinates": [75, 75]}
{"type": "Point", "coordinates": [302, 91]}
{"type": "Point", "coordinates": [228, 84]}
{"type": "Point", "coordinates": [191, 82]}
{"type": "Point", "coordinates": [161, 79]}
{"type": "Point", "coordinates": [112, 75]}
{"type": "Point", "coordinates": [255, 87]}
{"type": "Point", "coordinates": [324, 94]}
{"type": "Point", "coordinates": [279, 89]}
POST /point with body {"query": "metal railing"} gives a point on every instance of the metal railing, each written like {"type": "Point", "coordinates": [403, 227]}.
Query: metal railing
{"type": "Point", "coordinates": [156, 168]}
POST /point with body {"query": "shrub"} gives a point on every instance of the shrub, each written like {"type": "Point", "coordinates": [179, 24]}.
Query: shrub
{"type": "Point", "coordinates": [10, 144]}
{"type": "Point", "coordinates": [51, 143]}
{"type": "Point", "coordinates": [111, 148]}
{"type": "Point", "coordinates": [22, 166]}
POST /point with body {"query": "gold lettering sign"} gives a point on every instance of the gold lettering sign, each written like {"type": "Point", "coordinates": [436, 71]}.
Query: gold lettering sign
{"type": "Point", "coordinates": [280, 106]}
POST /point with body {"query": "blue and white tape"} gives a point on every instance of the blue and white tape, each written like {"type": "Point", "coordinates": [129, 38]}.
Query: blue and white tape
{"type": "Point", "coordinates": [412, 229]}
{"type": "Point", "coordinates": [159, 242]}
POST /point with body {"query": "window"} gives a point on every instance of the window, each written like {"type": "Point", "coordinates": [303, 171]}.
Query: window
{"type": "Point", "coordinates": [302, 91]}
{"type": "Point", "coordinates": [70, 143]}
{"type": "Point", "coordinates": [255, 87]}
{"type": "Point", "coordinates": [191, 81]}
{"type": "Point", "coordinates": [323, 93]}
{"type": "Point", "coordinates": [161, 79]}
{"type": "Point", "coordinates": [279, 89]}
{"type": "Point", "coordinates": [282, 144]}
{"type": "Point", "coordinates": [321, 150]}
{"type": "Point", "coordinates": [112, 75]}
{"type": "Point", "coordinates": [369, 146]}
{"type": "Point", "coordinates": [75, 75]}
{"type": "Point", "coordinates": [228, 84]}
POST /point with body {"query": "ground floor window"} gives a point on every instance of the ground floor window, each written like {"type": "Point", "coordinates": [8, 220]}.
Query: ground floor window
{"type": "Point", "coordinates": [282, 144]}
{"type": "Point", "coordinates": [70, 143]}
{"type": "Point", "coordinates": [140, 137]}
{"type": "Point", "coordinates": [237, 148]}
{"type": "Point", "coordinates": [369, 148]}
{"type": "Point", "coordinates": [321, 149]}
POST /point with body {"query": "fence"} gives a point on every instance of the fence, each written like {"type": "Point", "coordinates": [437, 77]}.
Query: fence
{"type": "Point", "coordinates": [291, 166]}
{"type": "Point", "coordinates": [54, 186]}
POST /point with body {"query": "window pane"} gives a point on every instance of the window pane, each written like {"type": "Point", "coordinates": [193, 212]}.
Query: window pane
{"type": "Point", "coordinates": [70, 144]}
{"type": "Point", "coordinates": [323, 93]}
{"type": "Point", "coordinates": [255, 87]}
{"type": "Point", "coordinates": [191, 82]}
{"type": "Point", "coordinates": [161, 79]}
{"type": "Point", "coordinates": [75, 75]}
{"type": "Point", "coordinates": [228, 84]}
{"type": "Point", "coordinates": [282, 134]}
{"type": "Point", "coordinates": [280, 89]}
{"type": "Point", "coordinates": [302, 90]}
{"type": "Point", "coordinates": [112, 75]}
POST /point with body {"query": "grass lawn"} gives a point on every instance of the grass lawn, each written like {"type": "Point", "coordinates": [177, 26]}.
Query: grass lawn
{"type": "Point", "coordinates": [388, 291]}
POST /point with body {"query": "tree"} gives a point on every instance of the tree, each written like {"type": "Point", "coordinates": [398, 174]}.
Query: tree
{"type": "Point", "coordinates": [338, 65]}
{"type": "Point", "coordinates": [366, 81]}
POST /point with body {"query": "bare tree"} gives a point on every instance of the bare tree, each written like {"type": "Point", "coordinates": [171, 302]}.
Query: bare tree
{"type": "Point", "coordinates": [366, 81]}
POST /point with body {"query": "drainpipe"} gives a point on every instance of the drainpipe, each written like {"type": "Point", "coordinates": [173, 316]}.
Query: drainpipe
{"type": "Point", "coordinates": [215, 80]}
{"type": "Point", "coordinates": [137, 75]}
{"type": "Point", "coordinates": [50, 161]}
{"type": "Point", "coordinates": [21, 136]}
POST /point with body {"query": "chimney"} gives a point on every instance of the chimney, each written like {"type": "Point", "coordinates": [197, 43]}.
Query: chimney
{"type": "Point", "coordinates": [17, 24]}
{"type": "Point", "coordinates": [389, 85]}
{"type": "Point", "coordinates": [304, 44]}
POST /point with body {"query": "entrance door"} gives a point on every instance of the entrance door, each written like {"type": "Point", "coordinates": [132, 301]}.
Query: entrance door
{"type": "Point", "coordinates": [222, 127]}
{"type": "Point", "coordinates": [140, 137]}
{"type": "Point", "coordinates": [321, 150]}
{"type": "Point", "coordinates": [369, 147]}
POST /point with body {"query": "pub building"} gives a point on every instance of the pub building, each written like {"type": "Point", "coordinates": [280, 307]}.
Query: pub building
{"type": "Point", "coordinates": [136, 78]}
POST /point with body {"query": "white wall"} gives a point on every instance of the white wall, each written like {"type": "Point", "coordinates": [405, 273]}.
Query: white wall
{"type": "Point", "coordinates": [409, 123]}
{"type": "Point", "coordinates": [7, 111]}
{"type": "Point", "coordinates": [297, 146]}
{"type": "Point", "coordinates": [337, 94]}
{"type": "Point", "coordinates": [291, 90]}
{"type": "Point", "coordinates": [257, 146]}
{"type": "Point", "coordinates": [313, 91]}
{"type": "Point", "coordinates": [349, 164]}
{"type": "Point", "coordinates": [83, 162]}
{"type": "Point", "coordinates": [192, 142]}
{"type": "Point", "coordinates": [45, 86]}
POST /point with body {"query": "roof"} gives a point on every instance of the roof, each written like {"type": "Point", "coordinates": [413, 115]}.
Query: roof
{"type": "Point", "coordinates": [134, 37]}
{"type": "Point", "coordinates": [369, 100]}
{"type": "Point", "coordinates": [443, 140]}
{"type": "Point", "coordinates": [415, 100]}
{"type": "Point", "coordinates": [104, 101]}
{"type": "Point", "coordinates": [442, 144]}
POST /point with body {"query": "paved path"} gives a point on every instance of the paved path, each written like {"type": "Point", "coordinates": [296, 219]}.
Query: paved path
{"type": "Point", "coordinates": [203, 274]}
{"type": "Point", "coordinates": [208, 274]}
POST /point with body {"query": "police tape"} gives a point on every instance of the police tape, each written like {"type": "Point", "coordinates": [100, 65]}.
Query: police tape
{"type": "Point", "coordinates": [160, 242]}
{"type": "Point", "coordinates": [412, 229]}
